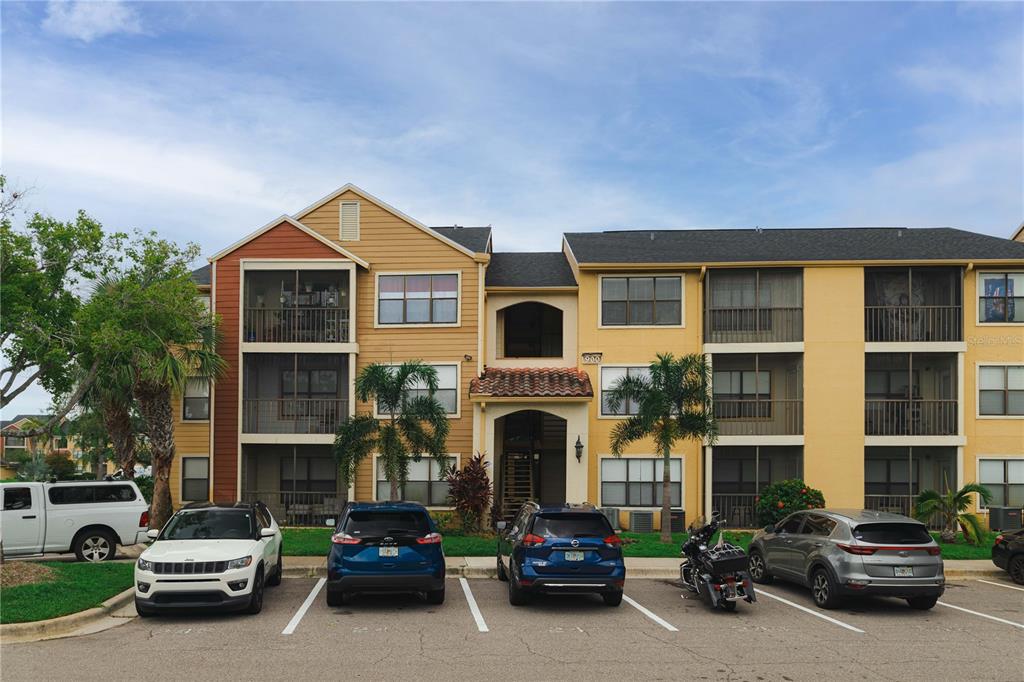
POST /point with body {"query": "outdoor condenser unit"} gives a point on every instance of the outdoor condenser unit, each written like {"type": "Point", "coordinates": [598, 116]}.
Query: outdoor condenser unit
{"type": "Point", "coordinates": [612, 514]}
{"type": "Point", "coordinates": [641, 521]}
{"type": "Point", "coordinates": [1004, 518]}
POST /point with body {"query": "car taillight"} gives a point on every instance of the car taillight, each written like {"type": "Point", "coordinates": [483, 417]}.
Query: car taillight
{"type": "Point", "coordinates": [935, 551]}
{"type": "Point", "coordinates": [613, 540]}
{"type": "Point", "coordinates": [344, 539]}
{"type": "Point", "coordinates": [144, 519]}
{"type": "Point", "coordinates": [530, 540]}
{"type": "Point", "coordinates": [432, 539]}
{"type": "Point", "coordinates": [854, 549]}
{"type": "Point", "coordinates": [999, 538]}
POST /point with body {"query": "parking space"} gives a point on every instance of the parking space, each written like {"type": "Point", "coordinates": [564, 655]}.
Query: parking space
{"type": "Point", "coordinates": [665, 633]}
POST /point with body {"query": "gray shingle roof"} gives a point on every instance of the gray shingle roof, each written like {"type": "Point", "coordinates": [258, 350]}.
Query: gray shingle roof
{"type": "Point", "coordinates": [516, 269]}
{"type": "Point", "coordinates": [201, 276]}
{"type": "Point", "coordinates": [473, 238]}
{"type": "Point", "coordinates": [807, 244]}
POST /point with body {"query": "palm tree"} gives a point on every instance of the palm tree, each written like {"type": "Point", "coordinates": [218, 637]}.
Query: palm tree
{"type": "Point", "coordinates": [952, 507]}
{"type": "Point", "coordinates": [411, 427]}
{"type": "Point", "coordinates": [674, 403]}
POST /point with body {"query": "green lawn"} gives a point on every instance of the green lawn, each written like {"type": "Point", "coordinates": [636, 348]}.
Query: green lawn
{"type": "Point", "coordinates": [75, 587]}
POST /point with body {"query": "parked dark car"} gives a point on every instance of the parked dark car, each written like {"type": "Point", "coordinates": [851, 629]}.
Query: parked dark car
{"type": "Point", "coordinates": [851, 553]}
{"type": "Point", "coordinates": [565, 548]}
{"type": "Point", "coordinates": [1008, 554]}
{"type": "Point", "coordinates": [385, 547]}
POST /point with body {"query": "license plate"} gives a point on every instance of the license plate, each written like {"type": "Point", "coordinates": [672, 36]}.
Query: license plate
{"type": "Point", "coordinates": [904, 571]}
{"type": "Point", "coordinates": [574, 555]}
{"type": "Point", "coordinates": [388, 551]}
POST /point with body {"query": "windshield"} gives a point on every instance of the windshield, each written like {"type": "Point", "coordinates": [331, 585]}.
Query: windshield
{"type": "Point", "coordinates": [380, 523]}
{"type": "Point", "coordinates": [572, 526]}
{"type": "Point", "coordinates": [892, 533]}
{"type": "Point", "coordinates": [210, 524]}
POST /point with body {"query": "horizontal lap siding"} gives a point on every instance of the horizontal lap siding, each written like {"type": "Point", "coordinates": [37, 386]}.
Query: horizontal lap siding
{"type": "Point", "coordinates": [191, 439]}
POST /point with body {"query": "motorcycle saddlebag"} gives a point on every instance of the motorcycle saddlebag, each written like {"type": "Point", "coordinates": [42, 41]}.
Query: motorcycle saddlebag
{"type": "Point", "coordinates": [727, 559]}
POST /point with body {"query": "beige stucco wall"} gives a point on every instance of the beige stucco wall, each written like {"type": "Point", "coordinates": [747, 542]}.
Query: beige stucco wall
{"type": "Point", "coordinates": [566, 302]}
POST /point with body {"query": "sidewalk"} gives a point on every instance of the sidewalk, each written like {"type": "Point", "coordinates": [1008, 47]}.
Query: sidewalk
{"type": "Point", "coordinates": [660, 569]}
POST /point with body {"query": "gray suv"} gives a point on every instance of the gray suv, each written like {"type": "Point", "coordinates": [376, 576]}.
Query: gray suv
{"type": "Point", "coordinates": [848, 553]}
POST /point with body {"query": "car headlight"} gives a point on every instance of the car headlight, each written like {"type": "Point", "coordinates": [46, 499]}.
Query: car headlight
{"type": "Point", "coordinates": [240, 563]}
{"type": "Point", "coordinates": [145, 565]}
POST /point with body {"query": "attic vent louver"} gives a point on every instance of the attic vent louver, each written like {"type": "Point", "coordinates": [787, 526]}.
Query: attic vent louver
{"type": "Point", "coordinates": [349, 221]}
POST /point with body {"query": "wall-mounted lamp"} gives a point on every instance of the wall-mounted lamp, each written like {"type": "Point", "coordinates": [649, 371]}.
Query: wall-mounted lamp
{"type": "Point", "coordinates": [579, 449]}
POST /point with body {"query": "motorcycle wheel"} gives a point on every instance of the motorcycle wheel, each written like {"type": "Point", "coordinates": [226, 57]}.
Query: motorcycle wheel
{"type": "Point", "coordinates": [727, 605]}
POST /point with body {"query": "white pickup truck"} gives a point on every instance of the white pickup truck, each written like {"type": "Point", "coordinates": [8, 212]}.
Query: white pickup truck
{"type": "Point", "coordinates": [89, 518]}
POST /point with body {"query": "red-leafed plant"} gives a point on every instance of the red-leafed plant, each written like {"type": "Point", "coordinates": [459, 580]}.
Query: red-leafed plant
{"type": "Point", "coordinates": [470, 492]}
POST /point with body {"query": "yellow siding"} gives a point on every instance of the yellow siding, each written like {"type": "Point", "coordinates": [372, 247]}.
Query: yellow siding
{"type": "Point", "coordinates": [191, 439]}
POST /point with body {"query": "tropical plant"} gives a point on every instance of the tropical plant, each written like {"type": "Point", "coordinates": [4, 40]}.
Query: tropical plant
{"type": "Point", "coordinates": [470, 492]}
{"type": "Point", "coordinates": [779, 500]}
{"type": "Point", "coordinates": [60, 465]}
{"type": "Point", "coordinates": [673, 403]}
{"type": "Point", "coordinates": [410, 427]}
{"type": "Point", "coordinates": [951, 506]}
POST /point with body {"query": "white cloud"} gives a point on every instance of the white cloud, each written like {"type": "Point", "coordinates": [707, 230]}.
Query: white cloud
{"type": "Point", "coordinates": [87, 21]}
{"type": "Point", "coordinates": [997, 81]}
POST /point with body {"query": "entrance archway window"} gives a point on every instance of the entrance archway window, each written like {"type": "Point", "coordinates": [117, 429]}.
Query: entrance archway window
{"type": "Point", "coordinates": [532, 330]}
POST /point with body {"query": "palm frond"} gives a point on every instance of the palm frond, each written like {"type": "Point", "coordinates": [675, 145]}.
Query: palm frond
{"type": "Point", "coordinates": [974, 528]}
{"type": "Point", "coordinates": [354, 439]}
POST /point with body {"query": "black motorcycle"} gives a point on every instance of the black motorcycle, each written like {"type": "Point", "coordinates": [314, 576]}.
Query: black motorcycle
{"type": "Point", "coordinates": [720, 574]}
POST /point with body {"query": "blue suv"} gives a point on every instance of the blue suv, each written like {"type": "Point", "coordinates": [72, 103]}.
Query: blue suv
{"type": "Point", "coordinates": [385, 547]}
{"type": "Point", "coordinates": [568, 548]}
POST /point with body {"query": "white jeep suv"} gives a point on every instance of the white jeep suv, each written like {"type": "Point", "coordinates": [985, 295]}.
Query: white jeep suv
{"type": "Point", "coordinates": [210, 555]}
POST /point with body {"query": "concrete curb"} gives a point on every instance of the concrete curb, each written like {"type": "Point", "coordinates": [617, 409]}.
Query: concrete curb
{"type": "Point", "coordinates": [54, 627]}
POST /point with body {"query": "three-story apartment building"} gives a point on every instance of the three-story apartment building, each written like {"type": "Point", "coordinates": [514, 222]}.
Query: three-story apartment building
{"type": "Point", "coordinates": [873, 362]}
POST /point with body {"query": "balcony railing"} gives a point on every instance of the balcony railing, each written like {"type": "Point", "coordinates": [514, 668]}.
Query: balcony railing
{"type": "Point", "coordinates": [782, 417]}
{"type": "Point", "coordinates": [754, 325]}
{"type": "Point", "coordinates": [293, 415]}
{"type": "Point", "coordinates": [296, 325]}
{"type": "Point", "coordinates": [910, 417]}
{"type": "Point", "coordinates": [898, 504]}
{"type": "Point", "coordinates": [737, 510]}
{"type": "Point", "coordinates": [298, 508]}
{"type": "Point", "coordinates": [913, 323]}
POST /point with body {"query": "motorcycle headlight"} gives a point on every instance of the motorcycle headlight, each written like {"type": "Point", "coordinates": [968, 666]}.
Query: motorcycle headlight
{"type": "Point", "coordinates": [145, 565]}
{"type": "Point", "coordinates": [240, 563]}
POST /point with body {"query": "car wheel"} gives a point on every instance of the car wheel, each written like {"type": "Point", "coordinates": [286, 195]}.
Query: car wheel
{"type": "Point", "coordinates": [516, 595]}
{"type": "Point", "coordinates": [256, 597]}
{"type": "Point", "coordinates": [336, 598]}
{"type": "Point", "coordinates": [502, 573]}
{"type": "Point", "coordinates": [922, 603]}
{"type": "Point", "coordinates": [435, 596]}
{"type": "Point", "coordinates": [275, 579]}
{"type": "Point", "coordinates": [95, 545]}
{"type": "Point", "coordinates": [1016, 569]}
{"type": "Point", "coordinates": [759, 569]}
{"type": "Point", "coordinates": [612, 598]}
{"type": "Point", "coordinates": [142, 610]}
{"type": "Point", "coordinates": [823, 590]}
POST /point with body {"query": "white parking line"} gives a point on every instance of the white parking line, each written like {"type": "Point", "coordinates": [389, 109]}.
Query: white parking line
{"type": "Point", "coordinates": [1009, 587]}
{"type": "Point", "coordinates": [810, 611]}
{"type": "Point", "coordinates": [294, 622]}
{"type": "Point", "coordinates": [983, 615]}
{"type": "Point", "coordinates": [650, 614]}
{"type": "Point", "coordinates": [474, 609]}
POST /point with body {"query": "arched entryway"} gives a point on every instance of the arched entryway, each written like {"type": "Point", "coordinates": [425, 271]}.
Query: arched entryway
{"type": "Point", "coordinates": [530, 462]}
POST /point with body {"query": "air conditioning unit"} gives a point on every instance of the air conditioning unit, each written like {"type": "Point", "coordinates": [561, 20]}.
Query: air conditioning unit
{"type": "Point", "coordinates": [612, 514]}
{"type": "Point", "coordinates": [641, 521]}
{"type": "Point", "coordinates": [678, 520]}
{"type": "Point", "coordinates": [1004, 518]}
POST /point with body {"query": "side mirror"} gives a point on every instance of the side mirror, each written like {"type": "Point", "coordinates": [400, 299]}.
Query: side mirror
{"type": "Point", "coordinates": [769, 528]}
{"type": "Point", "coordinates": [267, 532]}
{"type": "Point", "coordinates": [153, 533]}
{"type": "Point", "coordinates": [502, 525]}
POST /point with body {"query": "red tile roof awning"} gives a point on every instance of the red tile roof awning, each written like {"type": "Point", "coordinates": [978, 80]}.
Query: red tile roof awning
{"type": "Point", "coordinates": [533, 382]}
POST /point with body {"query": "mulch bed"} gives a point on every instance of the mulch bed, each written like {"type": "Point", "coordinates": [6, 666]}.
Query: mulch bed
{"type": "Point", "coordinates": [14, 573]}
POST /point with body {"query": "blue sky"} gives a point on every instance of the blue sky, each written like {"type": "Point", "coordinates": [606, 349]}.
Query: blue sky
{"type": "Point", "coordinates": [204, 121]}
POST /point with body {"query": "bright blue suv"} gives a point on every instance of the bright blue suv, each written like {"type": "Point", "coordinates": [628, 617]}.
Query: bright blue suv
{"type": "Point", "coordinates": [568, 548]}
{"type": "Point", "coordinates": [385, 547]}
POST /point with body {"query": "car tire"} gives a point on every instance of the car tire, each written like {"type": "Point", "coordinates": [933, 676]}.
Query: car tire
{"type": "Point", "coordinates": [435, 596]}
{"type": "Point", "coordinates": [502, 573]}
{"type": "Point", "coordinates": [612, 598]}
{"type": "Point", "coordinates": [256, 596]}
{"type": "Point", "coordinates": [336, 598]}
{"type": "Point", "coordinates": [275, 579]}
{"type": "Point", "coordinates": [143, 611]}
{"type": "Point", "coordinates": [1016, 569]}
{"type": "Point", "coordinates": [823, 590]}
{"type": "Point", "coordinates": [759, 569]}
{"type": "Point", "coordinates": [516, 595]}
{"type": "Point", "coordinates": [922, 603]}
{"type": "Point", "coordinates": [95, 545]}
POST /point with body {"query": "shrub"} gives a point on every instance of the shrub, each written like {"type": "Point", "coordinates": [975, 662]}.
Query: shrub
{"type": "Point", "coordinates": [469, 491]}
{"type": "Point", "coordinates": [60, 465]}
{"type": "Point", "coordinates": [447, 522]}
{"type": "Point", "coordinates": [145, 484]}
{"type": "Point", "coordinates": [781, 499]}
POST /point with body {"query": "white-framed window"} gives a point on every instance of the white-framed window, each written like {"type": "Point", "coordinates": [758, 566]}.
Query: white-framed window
{"type": "Point", "coordinates": [14, 442]}
{"type": "Point", "coordinates": [447, 392]}
{"type": "Point", "coordinates": [195, 479]}
{"type": "Point", "coordinates": [1001, 390]}
{"type": "Point", "coordinates": [348, 221]}
{"type": "Point", "coordinates": [1001, 297]}
{"type": "Point", "coordinates": [610, 376]}
{"type": "Point", "coordinates": [636, 481]}
{"type": "Point", "coordinates": [644, 301]}
{"type": "Point", "coordinates": [429, 298]}
{"type": "Point", "coordinates": [1004, 477]}
{"type": "Point", "coordinates": [196, 400]}
{"type": "Point", "coordinates": [426, 483]}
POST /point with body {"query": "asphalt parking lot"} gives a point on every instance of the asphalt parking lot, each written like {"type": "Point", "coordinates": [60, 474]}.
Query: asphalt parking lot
{"type": "Point", "coordinates": [659, 633]}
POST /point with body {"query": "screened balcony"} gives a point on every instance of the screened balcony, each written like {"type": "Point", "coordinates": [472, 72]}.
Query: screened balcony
{"type": "Point", "coordinates": [895, 476]}
{"type": "Point", "coordinates": [913, 304]}
{"type": "Point", "coordinates": [750, 306]}
{"type": "Point", "coordinates": [299, 483]}
{"type": "Point", "coordinates": [294, 392]}
{"type": "Point", "coordinates": [910, 394]}
{"type": "Point", "coordinates": [758, 394]}
{"type": "Point", "coordinates": [296, 306]}
{"type": "Point", "coordinates": [739, 474]}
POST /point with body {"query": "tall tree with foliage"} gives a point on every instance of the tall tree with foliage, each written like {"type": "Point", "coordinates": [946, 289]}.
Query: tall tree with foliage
{"type": "Point", "coordinates": [412, 426]}
{"type": "Point", "coordinates": [951, 506]}
{"type": "Point", "coordinates": [673, 403]}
